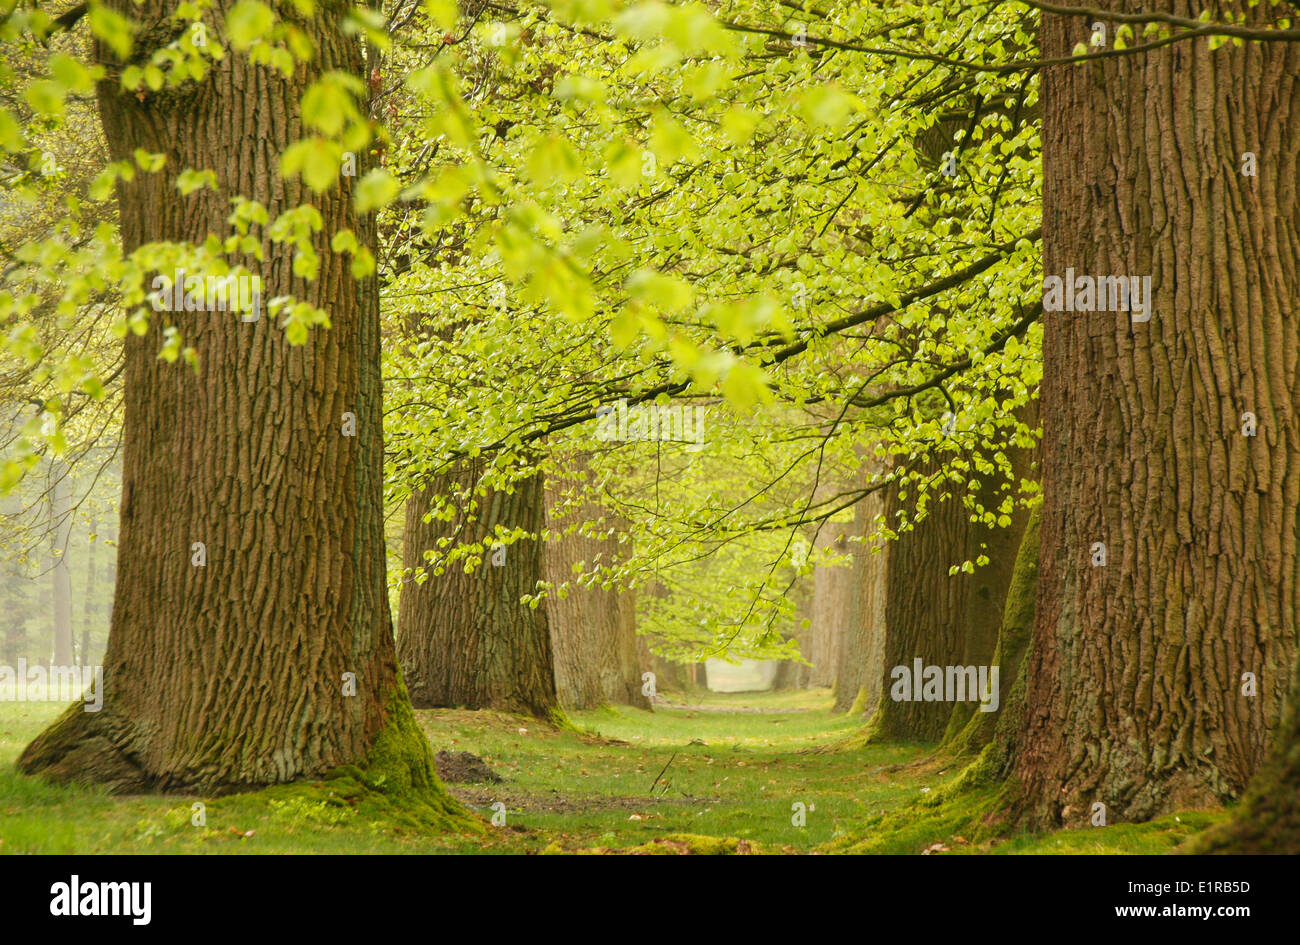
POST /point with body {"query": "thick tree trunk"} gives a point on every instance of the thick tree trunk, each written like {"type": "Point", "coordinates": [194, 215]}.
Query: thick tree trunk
{"type": "Point", "coordinates": [987, 588]}
{"type": "Point", "coordinates": [924, 614]}
{"type": "Point", "coordinates": [238, 670]}
{"type": "Point", "coordinates": [593, 629]}
{"type": "Point", "coordinates": [465, 639]}
{"type": "Point", "coordinates": [1136, 696]}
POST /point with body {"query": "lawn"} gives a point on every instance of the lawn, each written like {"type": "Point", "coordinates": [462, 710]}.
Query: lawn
{"type": "Point", "coordinates": [741, 772]}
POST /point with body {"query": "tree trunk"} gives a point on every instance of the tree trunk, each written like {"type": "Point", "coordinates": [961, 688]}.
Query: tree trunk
{"type": "Point", "coordinates": [1268, 818]}
{"type": "Point", "coordinates": [593, 629]}
{"type": "Point", "coordinates": [987, 588]}
{"type": "Point", "coordinates": [832, 599]}
{"type": "Point", "coordinates": [1014, 631]}
{"type": "Point", "coordinates": [1136, 697]}
{"type": "Point", "coordinates": [858, 676]}
{"type": "Point", "coordinates": [465, 639]}
{"type": "Point", "coordinates": [925, 613]}
{"type": "Point", "coordinates": [669, 676]}
{"type": "Point", "coordinates": [88, 609]}
{"type": "Point", "coordinates": [60, 574]}
{"type": "Point", "coordinates": [238, 671]}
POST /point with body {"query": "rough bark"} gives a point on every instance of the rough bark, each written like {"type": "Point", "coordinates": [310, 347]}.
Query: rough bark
{"type": "Point", "coordinates": [466, 639]}
{"type": "Point", "coordinates": [1268, 818]}
{"type": "Point", "coordinates": [1135, 696]}
{"type": "Point", "coordinates": [987, 589]}
{"type": "Point", "coordinates": [925, 612]}
{"type": "Point", "coordinates": [593, 629]}
{"type": "Point", "coordinates": [231, 675]}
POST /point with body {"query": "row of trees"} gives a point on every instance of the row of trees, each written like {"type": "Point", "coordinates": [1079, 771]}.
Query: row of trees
{"type": "Point", "coordinates": [520, 221]}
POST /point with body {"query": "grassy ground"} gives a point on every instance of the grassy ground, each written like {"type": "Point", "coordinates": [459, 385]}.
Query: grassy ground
{"type": "Point", "coordinates": [722, 775]}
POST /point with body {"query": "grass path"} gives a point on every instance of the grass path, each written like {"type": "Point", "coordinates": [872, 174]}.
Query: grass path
{"type": "Point", "coordinates": [723, 774]}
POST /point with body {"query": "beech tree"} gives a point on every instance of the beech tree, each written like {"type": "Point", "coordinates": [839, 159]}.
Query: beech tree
{"type": "Point", "coordinates": [1169, 579]}
{"type": "Point", "coordinates": [466, 634]}
{"type": "Point", "coordinates": [593, 627]}
{"type": "Point", "coordinates": [251, 641]}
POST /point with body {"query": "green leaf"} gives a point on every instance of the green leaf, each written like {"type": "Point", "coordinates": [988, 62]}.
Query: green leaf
{"type": "Point", "coordinates": [248, 22]}
{"type": "Point", "coordinates": [112, 28]}
{"type": "Point", "coordinates": [317, 160]}
{"type": "Point", "coordinates": [669, 294]}
{"type": "Point", "coordinates": [377, 189]}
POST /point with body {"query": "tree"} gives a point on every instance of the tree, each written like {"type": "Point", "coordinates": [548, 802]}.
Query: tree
{"type": "Point", "coordinates": [1170, 583]}
{"type": "Point", "coordinates": [593, 628]}
{"type": "Point", "coordinates": [1268, 818]}
{"type": "Point", "coordinates": [858, 673]}
{"type": "Point", "coordinates": [251, 641]}
{"type": "Point", "coordinates": [832, 590]}
{"type": "Point", "coordinates": [60, 492]}
{"type": "Point", "coordinates": [924, 615]}
{"type": "Point", "coordinates": [466, 636]}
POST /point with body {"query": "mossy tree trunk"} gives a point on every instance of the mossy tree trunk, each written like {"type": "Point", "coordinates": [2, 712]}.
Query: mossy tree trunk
{"type": "Point", "coordinates": [1014, 631]}
{"type": "Point", "coordinates": [466, 638]}
{"type": "Point", "coordinates": [987, 588]}
{"type": "Point", "coordinates": [1268, 818]}
{"type": "Point", "coordinates": [232, 674]}
{"type": "Point", "coordinates": [1136, 696]}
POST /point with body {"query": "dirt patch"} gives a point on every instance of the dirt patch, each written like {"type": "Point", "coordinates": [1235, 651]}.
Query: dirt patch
{"type": "Point", "coordinates": [559, 804]}
{"type": "Point", "coordinates": [461, 767]}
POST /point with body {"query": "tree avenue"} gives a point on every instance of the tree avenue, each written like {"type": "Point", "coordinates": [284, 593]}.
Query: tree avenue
{"type": "Point", "coordinates": [902, 396]}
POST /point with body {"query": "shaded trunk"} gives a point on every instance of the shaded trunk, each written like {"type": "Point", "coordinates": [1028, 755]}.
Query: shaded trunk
{"type": "Point", "coordinates": [1136, 690]}
{"type": "Point", "coordinates": [832, 600]}
{"type": "Point", "coordinates": [987, 589]}
{"type": "Point", "coordinates": [858, 676]}
{"type": "Point", "coordinates": [465, 638]}
{"type": "Point", "coordinates": [668, 675]}
{"type": "Point", "coordinates": [924, 614]}
{"type": "Point", "coordinates": [1268, 818]}
{"type": "Point", "coordinates": [236, 667]}
{"type": "Point", "coordinates": [1015, 629]}
{"type": "Point", "coordinates": [593, 629]}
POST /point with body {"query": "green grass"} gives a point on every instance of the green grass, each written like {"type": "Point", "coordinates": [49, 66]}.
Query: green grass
{"type": "Point", "coordinates": [716, 776]}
